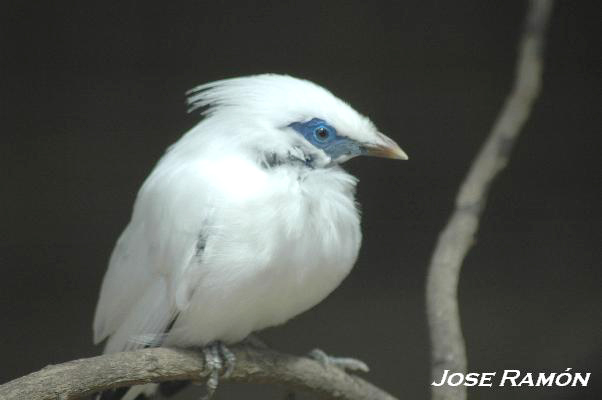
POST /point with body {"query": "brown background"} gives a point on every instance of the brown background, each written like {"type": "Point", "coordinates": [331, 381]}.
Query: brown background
{"type": "Point", "coordinates": [91, 95]}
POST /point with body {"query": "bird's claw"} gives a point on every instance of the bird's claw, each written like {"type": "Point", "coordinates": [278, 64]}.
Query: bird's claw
{"type": "Point", "coordinates": [218, 358]}
{"type": "Point", "coordinates": [344, 363]}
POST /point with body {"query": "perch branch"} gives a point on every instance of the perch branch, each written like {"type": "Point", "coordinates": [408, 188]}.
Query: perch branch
{"type": "Point", "coordinates": [80, 378]}
{"type": "Point", "coordinates": [447, 344]}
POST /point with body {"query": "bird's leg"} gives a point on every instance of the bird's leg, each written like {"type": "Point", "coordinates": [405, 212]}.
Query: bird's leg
{"type": "Point", "coordinates": [218, 358]}
{"type": "Point", "coordinates": [228, 358]}
{"type": "Point", "coordinates": [344, 363]}
{"type": "Point", "coordinates": [214, 364]}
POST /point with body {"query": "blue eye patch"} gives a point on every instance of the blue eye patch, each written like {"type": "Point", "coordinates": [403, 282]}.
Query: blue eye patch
{"type": "Point", "coordinates": [323, 136]}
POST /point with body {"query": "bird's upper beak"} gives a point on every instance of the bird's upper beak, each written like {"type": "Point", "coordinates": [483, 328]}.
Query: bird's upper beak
{"type": "Point", "coordinates": [384, 147]}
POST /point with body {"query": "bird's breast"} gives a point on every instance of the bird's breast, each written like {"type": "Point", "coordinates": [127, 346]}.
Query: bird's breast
{"type": "Point", "coordinates": [277, 253]}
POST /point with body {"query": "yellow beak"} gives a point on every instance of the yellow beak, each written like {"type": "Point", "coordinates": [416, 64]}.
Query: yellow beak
{"type": "Point", "coordinates": [385, 147]}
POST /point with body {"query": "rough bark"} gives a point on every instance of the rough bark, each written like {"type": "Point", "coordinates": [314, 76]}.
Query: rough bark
{"type": "Point", "coordinates": [80, 378]}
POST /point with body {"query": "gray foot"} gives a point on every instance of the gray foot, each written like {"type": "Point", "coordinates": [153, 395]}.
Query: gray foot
{"type": "Point", "coordinates": [344, 363]}
{"type": "Point", "coordinates": [218, 360]}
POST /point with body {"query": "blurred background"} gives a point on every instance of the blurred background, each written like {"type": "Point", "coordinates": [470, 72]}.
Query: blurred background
{"type": "Point", "coordinates": [92, 94]}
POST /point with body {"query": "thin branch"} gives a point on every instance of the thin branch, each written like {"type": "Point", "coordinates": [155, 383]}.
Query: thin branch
{"type": "Point", "coordinates": [80, 378]}
{"type": "Point", "coordinates": [447, 344]}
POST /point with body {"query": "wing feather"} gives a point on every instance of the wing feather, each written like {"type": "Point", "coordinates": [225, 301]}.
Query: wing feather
{"type": "Point", "coordinates": [137, 296]}
{"type": "Point", "coordinates": [151, 314]}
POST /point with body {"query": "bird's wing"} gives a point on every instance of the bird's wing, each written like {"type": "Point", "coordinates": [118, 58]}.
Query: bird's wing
{"type": "Point", "coordinates": [137, 296]}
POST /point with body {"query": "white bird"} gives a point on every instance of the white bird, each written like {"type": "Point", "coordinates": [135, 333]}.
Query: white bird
{"type": "Point", "coordinates": [245, 222]}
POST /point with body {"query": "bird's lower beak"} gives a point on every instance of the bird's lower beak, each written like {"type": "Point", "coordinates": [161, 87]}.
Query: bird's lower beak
{"type": "Point", "coordinates": [385, 147]}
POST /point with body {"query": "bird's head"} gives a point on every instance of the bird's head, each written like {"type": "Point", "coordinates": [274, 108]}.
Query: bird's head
{"type": "Point", "coordinates": [291, 118]}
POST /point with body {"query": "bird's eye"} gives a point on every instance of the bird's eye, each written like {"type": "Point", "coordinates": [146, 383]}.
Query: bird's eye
{"type": "Point", "coordinates": [321, 133]}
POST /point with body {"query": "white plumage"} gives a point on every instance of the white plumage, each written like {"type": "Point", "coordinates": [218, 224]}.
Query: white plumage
{"type": "Point", "coordinates": [244, 223]}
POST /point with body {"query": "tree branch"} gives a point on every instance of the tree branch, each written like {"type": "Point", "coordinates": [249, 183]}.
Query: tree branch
{"type": "Point", "coordinates": [79, 378]}
{"type": "Point", "coordinates": [447, 344]}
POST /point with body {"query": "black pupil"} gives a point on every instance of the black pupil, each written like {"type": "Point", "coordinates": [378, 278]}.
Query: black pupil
{"type": "Point", "coordinates": [322, 133]}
